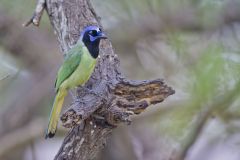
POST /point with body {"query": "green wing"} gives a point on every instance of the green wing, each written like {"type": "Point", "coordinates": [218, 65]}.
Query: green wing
{"type": "Point", "coordinates": [69, 65]}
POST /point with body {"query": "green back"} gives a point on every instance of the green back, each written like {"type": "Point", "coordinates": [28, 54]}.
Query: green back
{"type": "Point", "coordinates": [69, 65]}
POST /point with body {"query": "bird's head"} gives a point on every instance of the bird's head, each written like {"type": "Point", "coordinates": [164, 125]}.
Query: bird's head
{"type": "Point", "coordinates": [91, 37]}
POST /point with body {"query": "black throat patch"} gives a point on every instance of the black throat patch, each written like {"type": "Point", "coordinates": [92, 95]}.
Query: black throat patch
{"type": "Point", "coordinates": [93, 47]}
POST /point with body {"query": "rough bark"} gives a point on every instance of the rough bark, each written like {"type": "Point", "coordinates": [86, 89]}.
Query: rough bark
{"type": "Point", "coordinates": [93, 117]}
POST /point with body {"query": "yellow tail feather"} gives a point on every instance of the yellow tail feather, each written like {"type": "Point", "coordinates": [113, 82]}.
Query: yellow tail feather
{"type": "Point", "coordinates": [55, 113]}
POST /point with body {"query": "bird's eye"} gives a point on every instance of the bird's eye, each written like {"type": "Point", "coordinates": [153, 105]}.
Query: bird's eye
{"type": "Point", "coordinates": [93, 33]}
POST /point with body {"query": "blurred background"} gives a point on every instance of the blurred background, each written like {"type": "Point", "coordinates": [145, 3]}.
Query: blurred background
{"type": "Point", "coordinates": [194, 45]}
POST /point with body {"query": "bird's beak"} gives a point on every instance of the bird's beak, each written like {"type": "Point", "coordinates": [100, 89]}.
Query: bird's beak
{"type": "Point", "coordinates": [101, 35]}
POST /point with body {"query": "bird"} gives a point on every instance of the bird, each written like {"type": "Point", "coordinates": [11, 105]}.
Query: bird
{"type": "Point", "coordinates": [75, 71]}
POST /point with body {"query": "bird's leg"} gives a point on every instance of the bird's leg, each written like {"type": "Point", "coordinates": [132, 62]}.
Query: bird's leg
{"type": "Point", "coordinates": [73, 94]}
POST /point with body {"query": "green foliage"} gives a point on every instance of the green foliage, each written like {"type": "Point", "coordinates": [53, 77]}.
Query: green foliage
{"type": "Point", "coordinates": [207, 75]}
{"type": "Point", "coordinates": [209, 10]}
{"type": "Point", "coordinates": [176, 40]}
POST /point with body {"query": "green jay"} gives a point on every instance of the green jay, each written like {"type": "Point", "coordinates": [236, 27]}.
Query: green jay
{"type": "Point", "coordinates": [75, 70]}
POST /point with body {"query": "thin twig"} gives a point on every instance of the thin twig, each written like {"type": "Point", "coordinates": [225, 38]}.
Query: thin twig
{"type": "Point", "coordinates": [5, 77]}
{"type": "Point", "coordinates": [36, 18]}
